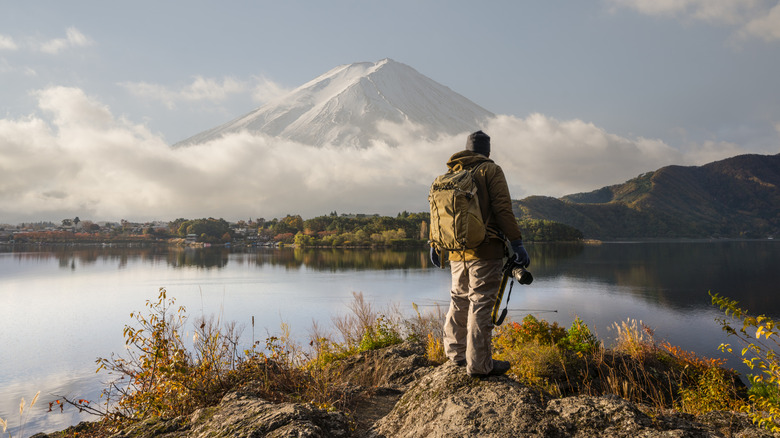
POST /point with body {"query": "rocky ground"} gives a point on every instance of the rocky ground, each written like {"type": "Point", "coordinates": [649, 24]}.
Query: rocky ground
{"type": "Point", "coordinates": [415, 399]}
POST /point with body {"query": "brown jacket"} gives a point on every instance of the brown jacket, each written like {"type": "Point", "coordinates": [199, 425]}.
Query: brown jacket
{"type": "Point", "coordinates": [495, 203]}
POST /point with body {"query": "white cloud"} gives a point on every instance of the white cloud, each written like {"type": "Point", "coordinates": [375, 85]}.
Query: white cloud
{"type": "Point", "coordinates": [7, 43]}
{"type": "Point", "coordinates": [88, 163]}
{"type": "Point", "coordinates": [766, 26]}
{"type": "Point", "coordinates": [212, 90]}
{"type": "Point", "coordinates": [201, 89]}
{"type": "Point", "coordinates": [751, 18]}
{"type": "Point", "coordinates": [551, 157]}
{"type": "Point", "coordinates": [266, 90]}
{"type": "Point", "coordinates": [155, 92]}
{"type": "Point", "coordinates": [73, 38]}
{"type": "Point", "coordinates": [7, 67]}
{"type": "Point", "coordinates": [714, 11]}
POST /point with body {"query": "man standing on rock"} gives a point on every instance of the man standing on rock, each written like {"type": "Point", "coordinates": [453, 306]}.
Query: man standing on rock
{"type": "Point", "coordinates": [476, 273]}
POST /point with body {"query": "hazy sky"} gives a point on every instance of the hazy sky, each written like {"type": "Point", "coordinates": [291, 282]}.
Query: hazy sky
{"type": "Point", "coordinates": [588, 93]}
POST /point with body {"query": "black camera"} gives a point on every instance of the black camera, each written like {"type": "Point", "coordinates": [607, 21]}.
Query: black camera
{"type": "Point", "coordinates": [522, 275]}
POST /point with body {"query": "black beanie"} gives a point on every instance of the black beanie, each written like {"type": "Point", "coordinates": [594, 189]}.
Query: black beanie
{"type": "Point", "coordinates": [479, 142]}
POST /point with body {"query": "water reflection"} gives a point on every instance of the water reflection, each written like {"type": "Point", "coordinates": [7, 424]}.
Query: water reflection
{"type": "Point", "coordinates": [676, 274]}
{"type": "Point", "coordinates": [335, 259]}
{"type": "Point", "coordinates": [73, 258]}
{"type": "Point", "coordinates": [190, 257]}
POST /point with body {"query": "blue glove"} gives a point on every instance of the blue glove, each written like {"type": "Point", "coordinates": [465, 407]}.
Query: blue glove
{"type": "Point", "coordinates": [521, 255]}
{"type": "Point", "coordinates": [435, 258]}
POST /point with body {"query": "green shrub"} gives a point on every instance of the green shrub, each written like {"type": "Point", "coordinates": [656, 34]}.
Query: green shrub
{"type": "Point", "coordinates": [531, 346]}
{"type": "Point", "coordinates": [531, 329]}
{"type": "Point", "coordinates": [713, 391]}
{"type": "Point", "coordinates": [579, 338]}
{"type": "Point", "coordinates": [382, 333]}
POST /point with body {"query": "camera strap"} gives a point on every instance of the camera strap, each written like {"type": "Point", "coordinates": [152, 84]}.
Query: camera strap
{"type": "Point", "coordinates": [504, 312]}
{"type": "Point", "coordinates": [506, 277]}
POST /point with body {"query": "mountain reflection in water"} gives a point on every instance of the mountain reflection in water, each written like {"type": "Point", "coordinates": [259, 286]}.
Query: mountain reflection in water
{"type": "Point", "coordinates": [677, 272]}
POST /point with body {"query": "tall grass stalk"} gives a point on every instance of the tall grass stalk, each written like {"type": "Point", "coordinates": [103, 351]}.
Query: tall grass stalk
{"type": "Point", "coordinates": [24, 414]}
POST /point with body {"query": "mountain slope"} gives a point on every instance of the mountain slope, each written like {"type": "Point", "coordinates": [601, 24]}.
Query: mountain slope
{"type": "Point", "coordinates": [736, 197]}
{"type": "Point", "coordinates": [344, 106]}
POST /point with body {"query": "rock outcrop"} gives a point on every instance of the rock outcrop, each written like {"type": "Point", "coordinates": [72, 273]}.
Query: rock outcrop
{"type": "Point", "coordinates": [446, 403]}
{"type": "Point", "coordinates": [412, 398]}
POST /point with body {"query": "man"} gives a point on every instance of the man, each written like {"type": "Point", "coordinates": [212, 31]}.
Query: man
{"type": "Point", "coordinates": [476, 273]}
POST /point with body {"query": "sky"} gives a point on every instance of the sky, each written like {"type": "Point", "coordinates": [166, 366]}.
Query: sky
{"type": "Point", "coordinates": [587, 94]}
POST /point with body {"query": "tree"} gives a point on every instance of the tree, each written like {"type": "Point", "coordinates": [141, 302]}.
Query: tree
{"type": "Point", "coordinates": [294, 223]}
{"type": "Point", "coordinates": [174, 226]}
{"type": "Point", "coordinates": [301, 240]}
{"type": "Point", "coordinates": [208, 230]}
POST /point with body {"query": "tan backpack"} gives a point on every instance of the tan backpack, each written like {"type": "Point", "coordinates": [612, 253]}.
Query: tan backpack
{"type": "Point", "coordinates": [456, 219]}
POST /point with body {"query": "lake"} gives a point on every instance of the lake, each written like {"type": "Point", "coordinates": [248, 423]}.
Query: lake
{"type": "Point", "coordinates": [61, 308]}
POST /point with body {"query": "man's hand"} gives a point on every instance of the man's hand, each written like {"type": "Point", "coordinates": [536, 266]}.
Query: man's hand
{"type": "Point", "coordinates": [435, 258]}
{"type": "Point", "coordinates": [521, 255]}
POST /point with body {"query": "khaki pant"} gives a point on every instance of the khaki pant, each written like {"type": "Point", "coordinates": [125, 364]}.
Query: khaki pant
{"type": "Point", "coordinates": [468, 328]}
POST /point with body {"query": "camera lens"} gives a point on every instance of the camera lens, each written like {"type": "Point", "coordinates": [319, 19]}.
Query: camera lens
{"type": "Point", "coordinates": [522, 276]}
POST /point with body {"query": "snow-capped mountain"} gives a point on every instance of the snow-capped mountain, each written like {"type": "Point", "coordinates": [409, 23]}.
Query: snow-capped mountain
{"type": "Point", "coordinates": [343, 106]}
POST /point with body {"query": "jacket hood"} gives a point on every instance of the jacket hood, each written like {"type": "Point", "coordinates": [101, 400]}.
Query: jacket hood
{"type": "Point", "coordinates": [466, 159]}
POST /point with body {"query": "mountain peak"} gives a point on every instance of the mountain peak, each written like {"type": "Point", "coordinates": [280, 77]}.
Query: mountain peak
{"type": "Point", "coordinates": [344, 107]}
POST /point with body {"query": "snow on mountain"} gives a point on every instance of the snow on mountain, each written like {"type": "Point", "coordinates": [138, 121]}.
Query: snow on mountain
{"type": "Point", "coordinates": [343, 106]}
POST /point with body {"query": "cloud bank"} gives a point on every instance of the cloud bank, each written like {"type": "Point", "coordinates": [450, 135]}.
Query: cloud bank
{"type": "Point", "coordinates": [81, 160]}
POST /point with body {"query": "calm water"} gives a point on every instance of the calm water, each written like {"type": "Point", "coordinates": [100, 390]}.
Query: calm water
{"type": "Point", "coordinates": [61, 309]}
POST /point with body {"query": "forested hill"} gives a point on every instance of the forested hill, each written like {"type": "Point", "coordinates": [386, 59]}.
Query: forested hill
{"type": "Point", "coordinates": [735, 197]}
